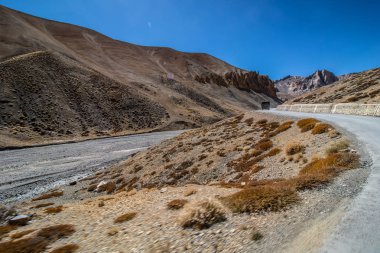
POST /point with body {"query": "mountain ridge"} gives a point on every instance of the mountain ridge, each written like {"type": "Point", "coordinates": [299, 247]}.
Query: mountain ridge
{"type": "Point", "coordinates": [160, 75]}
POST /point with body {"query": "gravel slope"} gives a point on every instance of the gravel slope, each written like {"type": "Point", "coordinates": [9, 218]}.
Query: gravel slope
{"type": "Point", "coordinates": [359, 228]}
{"type": "Point", "coordinates": [24, 171]}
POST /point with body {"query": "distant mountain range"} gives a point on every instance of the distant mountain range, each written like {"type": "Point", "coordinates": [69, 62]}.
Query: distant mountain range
{"type": "Point", "coordinates": [293, 86]}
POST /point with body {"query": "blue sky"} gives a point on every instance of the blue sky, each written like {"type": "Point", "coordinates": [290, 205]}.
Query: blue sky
{"type": "Point", "coordinates": [276, 38]}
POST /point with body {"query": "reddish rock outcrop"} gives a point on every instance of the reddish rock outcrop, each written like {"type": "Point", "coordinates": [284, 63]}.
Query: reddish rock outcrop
{"type": "Point", "coordinates": [243, 80]}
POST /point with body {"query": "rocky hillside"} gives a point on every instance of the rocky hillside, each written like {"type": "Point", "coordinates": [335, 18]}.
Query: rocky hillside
{"type": "Point", "coordinates": [59, 80]}
{"type": "Point", "coordinates": [252, 183]}
{"type": "Point", "coordinates": [363, 87]}
{"type": "Point", "coordinates": [292, 86]}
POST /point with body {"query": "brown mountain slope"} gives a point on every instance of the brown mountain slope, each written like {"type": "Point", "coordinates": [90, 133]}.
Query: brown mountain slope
{"type": "Point", "coordinates": [363, 87]}
{"type": "Point", "coordinates": [157, 77]}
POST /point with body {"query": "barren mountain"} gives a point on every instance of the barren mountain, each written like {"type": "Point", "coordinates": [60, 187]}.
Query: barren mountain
{"type": "Point", "coordinates": [62, 81]}
{"type": "Point", "coordinates": [363, 87]}
{"type": "Point", "coordinates": [292, 86]}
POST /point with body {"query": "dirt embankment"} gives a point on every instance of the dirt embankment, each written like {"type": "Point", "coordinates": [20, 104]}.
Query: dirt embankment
{"type": "Point", "coordinates": [248, 183]}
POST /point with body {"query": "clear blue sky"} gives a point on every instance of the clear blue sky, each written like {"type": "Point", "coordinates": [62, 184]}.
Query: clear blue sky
{"type": "Point", "coordinates": [277, 38]}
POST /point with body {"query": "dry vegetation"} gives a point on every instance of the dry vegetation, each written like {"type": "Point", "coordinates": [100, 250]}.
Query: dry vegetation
{"type": "Point", "coordinates": [250, 160]}
{"type": "Point", "coordinates": [202, 214]}
{"type": "Point", "coordinates": [176, 204]}
{"type": "Point", "coordinates": [49, 195]}
{"type": "Point", "coordinates": [261, 199]}
{"type": "Point", "coordinates": [55, 209]}
{"type": "Point", "coordinates": [125, 217]}
{"type": "Point", "coordinates": [70, 248]}
{"type": "Point", "coordinates": [37, 241]}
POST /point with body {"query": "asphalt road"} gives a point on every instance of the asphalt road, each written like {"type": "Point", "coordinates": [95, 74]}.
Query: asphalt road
{"type": "Point", "coordinates": [359, 229]}
{"type": "Point", "coordinates": [30, 171]}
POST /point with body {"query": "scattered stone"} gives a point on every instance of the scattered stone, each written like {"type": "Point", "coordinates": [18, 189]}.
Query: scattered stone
{"type": "Point", "coordinates": [20, 220]}
{"type": "Point", "coordinates": [163, 190]}
{"type": "Point", "coordinates": [73, 183]}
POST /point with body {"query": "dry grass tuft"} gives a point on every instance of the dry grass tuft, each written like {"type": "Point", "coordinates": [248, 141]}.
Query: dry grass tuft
{"type": "Point", "coordinates": [43, 205]}
{"type": "Point", "coordinates": [5, 229]}
{"type": "Point", "coordinates": [202, 214]}
{"type": "Point", "coordinates": [338, 146]}
{"type": "Point", "coordinates": [54, 209]}
{"type": "Point", "coordinates": [20, 234]}
{"type": "Point", "coordinates": [273, 152]}
{"type": "Point", "coordinates": [264, 144]}
{"type": "Point", "coordinates": [263, 198]}
{"type": "Point", "coordinates": [176, 204]}
{"type": "Point", "coordinates": [321, 128]}
{"type": "Point", "coordinates": [69, 248]}
{"type": "Point", "coordinates": [39, 240]}
{"type": "Point", "coordinates": [125, 217]}
{"type": "Point", "coordinates": [189, 192]}
{"type": "Point", "coordinates": [294, 148]}
{"type": "Point", "coordinates": [249, 121]}
{"type": "Point", "coordinates": [281, 128]}
{"type": "Point", "coordinates": [49, 195]}
{"type": "Point", "coordinates": [256, 235]}
{"type": "Point", "coordinates": [262, 121]}
{"type": "Point", "coordinates": [307, 124]}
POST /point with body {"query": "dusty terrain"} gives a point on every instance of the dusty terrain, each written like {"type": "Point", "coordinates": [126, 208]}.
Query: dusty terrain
{"type": "Point", "coordinates": [30, 171]}
{"type": "Point", "coordinates": [59, 81]}
{"type": "Point", "coordinates": [249, 183]}
{"type": "Point", "coordinates": [363, 87]}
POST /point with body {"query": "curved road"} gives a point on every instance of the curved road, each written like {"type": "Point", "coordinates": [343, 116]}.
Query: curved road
{"type": "Point", "coordinates": [359, 229]}
{"type": "Point", "coordinates": [30, 171]}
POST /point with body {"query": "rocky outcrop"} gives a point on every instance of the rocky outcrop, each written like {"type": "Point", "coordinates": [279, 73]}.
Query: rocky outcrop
{"type": "Point", "coordinates": [243, 80]}
{"type": "Point", "coordinates": [291, 86]}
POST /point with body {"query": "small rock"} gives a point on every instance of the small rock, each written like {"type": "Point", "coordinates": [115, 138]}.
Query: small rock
{"type": "Point", "coordinates": [20, 220]}
{"type": "Point", "coordinates": [73, 183]}
{"type": "Point", "coordinates": [112, 231]}
{"type": "Point", "coordinates": [163, 190]}
{"type": "Point", "coordinates": [101, 204]}
{"type": "Point", "coordinates": [132, 192]}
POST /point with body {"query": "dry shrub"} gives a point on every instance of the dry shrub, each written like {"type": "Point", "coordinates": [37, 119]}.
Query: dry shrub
{"type": "Point", "coordinates": [338, 146]}
{"type": "Point", "coordinates": [39, 240]}
{"type": "Point", "coordinates": [273, 152]}
{"type": "Point", "coordinates": [269, 197]}
{"type": "Point", "coordinates": [264, 144]}
{"type": "Point", "coordinates": [125, 217]}
{"type": "Point", "coordinates": [307, 124]}
{"type": "Point", "coordinates": [43, 205]}
{"type": "Point", "coordinates": [281, 128]}
{"type": "Point", "coordinates": [249, 121]}
{"type": "Point", "coordinates": [69, 248]}
{"type": "Point", "coordinates": [189, 192]}
{"type": "Point", "coordinates": [49, 195]}
{"type": "Point", "coordinates": [256, 235]}
{"type": "Point", "coordinates": [5, 229]}
{"type": "Point", "coordinates": [202, 214]}
{"type": "Point", "coordinates": [294, 148]}
{"type": "Point", "coordinates": [332, 164]}
{"type": "Point", "coordinates": [262, 121]}
{"type": "Point", "coordinates": [54, 209]}
{"type": "Point", "coordinates": [20, 234]}
{"type": "Point", "coordinates": [201, 157]}
{"type": "Point", "coordinates": [176, 204]}
{"type": "Point", "coordinates": [321, 128]}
